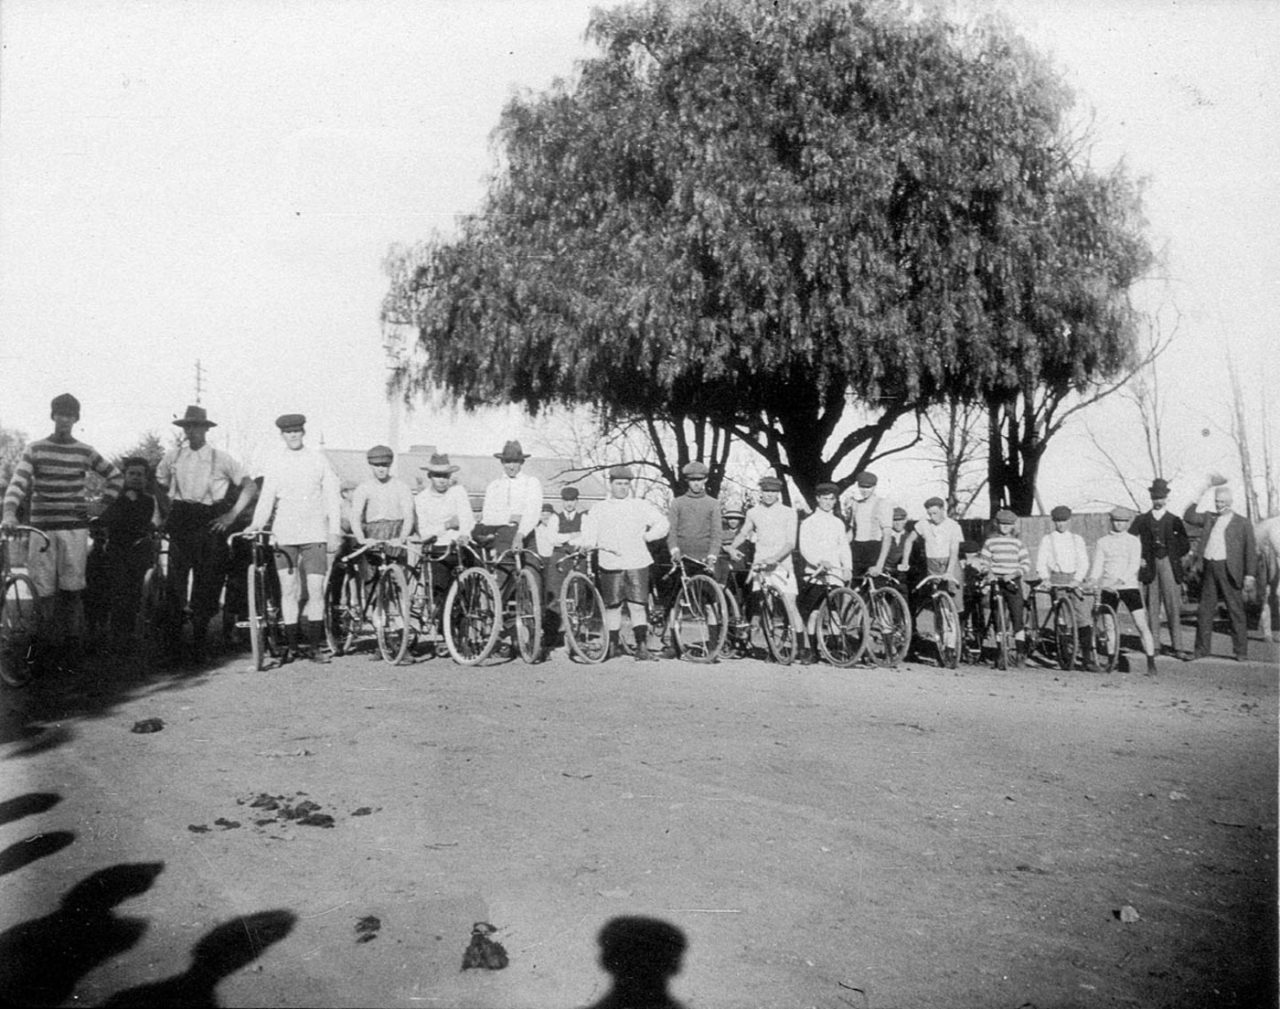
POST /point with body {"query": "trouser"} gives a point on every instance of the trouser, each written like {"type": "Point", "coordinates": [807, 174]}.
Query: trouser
{"type": "Point", "coordinates": [1163, 589]}
{"type": "Point", "coordinates": [1216, 585]}
{"type": "Point", "coordinates": [198, 551]}
{"type": "Point", "coordinates": [126, 567]}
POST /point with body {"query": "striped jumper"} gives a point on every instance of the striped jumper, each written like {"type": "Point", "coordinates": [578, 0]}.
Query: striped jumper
{"type": "Point", "coordinates": [53, 475]}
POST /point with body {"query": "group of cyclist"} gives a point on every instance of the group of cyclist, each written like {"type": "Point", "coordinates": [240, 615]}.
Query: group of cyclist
{"type": "Point", "coordinates": [202, 492]}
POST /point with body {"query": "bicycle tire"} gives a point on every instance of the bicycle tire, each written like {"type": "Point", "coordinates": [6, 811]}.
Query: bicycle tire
{"type": "Point", "coordinates": [779, 635]}
{"type": "Point", "coordinates": [156, 631]}
{"type": "Point", "coordinates": [946, 630]}
{"type": "Point", "coordinates": [890, 626]}
{"type": "Point", "coordinates": [391, 615]}
{"type": "Point", "coordinates": [342, 617]}
{"type": "Point", "coordinates": [582, 619]}
{"type": "Point", "coordinates": [1106, 637]}
{"type": "Point", "coordinates": [1000, 625]}
{"type": "Point", "coordinates": [526, 615]}
{"type": "Point", "coordinates": [738, 636]}
{"type": "Point", "coordinates": [842, 627]}
{"type": "Point", "coordinates": [1065, 637]}
{"type": "Point", "coordinates": [19, 629]}
{"type": "Point", "coordinates": [698, 619]}
{"type": "Point", "coordinates": [257, 617]}
{"type": "Point", "coordinates": [471, 624]}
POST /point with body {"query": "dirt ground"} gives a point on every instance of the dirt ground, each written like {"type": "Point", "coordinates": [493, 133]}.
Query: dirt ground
{"type": "Point", "coordinates": [822, 838]}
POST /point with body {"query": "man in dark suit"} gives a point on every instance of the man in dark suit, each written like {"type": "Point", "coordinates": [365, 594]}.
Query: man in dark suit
{"type": "Point", "coordinates": [1164, 545]}
{"type": "Point", "coordinates": [1230, 564]}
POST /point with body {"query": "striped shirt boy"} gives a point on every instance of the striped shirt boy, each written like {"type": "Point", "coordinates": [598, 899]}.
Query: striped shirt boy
{"type": "Point", "coordinates": [1006, 556]}
{"type": "Point", "coordinates": [53, 474]}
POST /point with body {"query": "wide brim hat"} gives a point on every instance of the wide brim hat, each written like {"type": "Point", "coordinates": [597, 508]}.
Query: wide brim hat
{"type": "Point", "coordinates": [196, 416]}
{"type": "Point", "coordinates": [439, 465]}
{"type": "Point", "coordinates": [1159, 488]}
{"type": "Point", "coordinates": [511, 452]}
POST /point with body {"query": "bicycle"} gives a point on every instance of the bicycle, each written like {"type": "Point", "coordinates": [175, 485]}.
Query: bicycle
{"type": "Point", "coordinates": [19, 614]}
{"type": "Point", "coordinates": [766, 606]}
{"type": "Point", "coordinates": [890, 618]}
{"type": "Point", "coordinates": [582, 610]}
{"type": "Point", "coordinates": [380, 600]}
{"type": "Point", "coordinates": [998, 622]}
{"type": "Point", "coordinates": [1106, 631]}
{"type": "Point", "coordinates": [1058, 640]}
{"type": "Point", "coordinates": [159, 619]}
{"type": "Point", "coordinates": [264, 623]}
{"type": "Point", "coordinates": [841, 624]}
{"type": "Point", "coordinates": [471, 611]}
{"type": "Point", "coordinates": [427, 595]}
{"type": "Point", "coordinates": [947, 633]}
{"type": "Point", "coordinates": [519, 598]}
{"type": "Point", "coordinates": [697, 614]}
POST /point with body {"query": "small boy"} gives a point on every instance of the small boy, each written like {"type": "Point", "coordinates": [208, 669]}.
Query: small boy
{"type": "Point", "coordinates": [1006, 558]}
{"type": "Point", "coordinates": [128, 521]}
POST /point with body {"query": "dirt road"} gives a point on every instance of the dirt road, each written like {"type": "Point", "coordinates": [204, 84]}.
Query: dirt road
{"type": "Point", "coordinates": [931, 838]}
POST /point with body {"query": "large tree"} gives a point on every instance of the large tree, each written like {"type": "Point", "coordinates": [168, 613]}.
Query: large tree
{"type": "Point", "coordinates": [759, 217]}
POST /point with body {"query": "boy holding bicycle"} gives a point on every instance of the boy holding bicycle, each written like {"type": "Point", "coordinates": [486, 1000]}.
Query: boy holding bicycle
{"type": "Point", "coordinates": [1062, 560]}
{"type": "Point", "coordinates": [1115, 571]}
{"type": "Point", "coordinates": [774, 526]}
{"type": "Point", "coordinates": [824, 546]}
{"type": "Point", "coordinates": [1008, 562]}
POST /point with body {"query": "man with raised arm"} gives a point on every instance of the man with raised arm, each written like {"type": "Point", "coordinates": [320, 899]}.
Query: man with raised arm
{"type": "Point", "coordinates": [1230, 555]}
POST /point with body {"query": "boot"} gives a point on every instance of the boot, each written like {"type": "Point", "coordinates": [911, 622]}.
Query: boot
{"type": "Point", "coordinates": [642, 646]}
{"type": "Point", "coordinates": [1019, 651]}
{"type": "Point", "coordinates": [290, 644]}
{"type": "Point", "coordinates": [615, 646]}
{"type": "Point", "coordinates": [316, 644]}
{"type": "Point", "coordinates": [1151, 665]}
{"type": "Point", "coordinates": [1087, 659]}
{"type": "Point", "coordinates": [806, 655]}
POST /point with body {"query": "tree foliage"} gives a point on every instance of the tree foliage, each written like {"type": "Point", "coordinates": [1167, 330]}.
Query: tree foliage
{"type": "Point", "coordinates": [12, 444]}
{"type": "Point", "coordinates": [752, 216]}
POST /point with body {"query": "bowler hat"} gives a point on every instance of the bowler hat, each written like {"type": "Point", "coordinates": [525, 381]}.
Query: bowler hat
{"type": "Point", "coordinates": [1060, 513]}
{"type": "Point", "coordinates": [621, 473]}
{"type": "Point", "coordinates": [66, 404]}
{"type": "Point", "coordinates": [196, 416]}
{"type": "Point", "coordinates": [379, 455]}
{"type": "Point", "coordinates": [867, 479]}
{"type": "Point", "coordinates": [291, 421]}
{"type": "Point", "coordinates": [511, 452]}
{"type": "Point", "coordinates": [695, 470]}
{"type": "Point", "coordinates": [1159, 487]}
{"type": "Point", "coordinates": [439, 465]}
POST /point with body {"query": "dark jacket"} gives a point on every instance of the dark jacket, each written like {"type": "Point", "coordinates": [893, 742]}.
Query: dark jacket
{"type": "Point", "coordinates": [1176, 542]}
{"type": "Point", "coordinates": [1242, 548]}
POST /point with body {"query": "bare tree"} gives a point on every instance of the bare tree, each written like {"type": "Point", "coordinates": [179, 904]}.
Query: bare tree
{"type": "Point", "coordinates": [1268, 463]}
{"type": "Point", "coordinates": [1240, 435]}
{"type": "Point", "coordinates": [954, 436]}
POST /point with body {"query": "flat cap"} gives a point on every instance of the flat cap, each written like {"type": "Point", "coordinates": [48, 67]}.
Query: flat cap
{"type": "Point", "coordinates": [1005, 515]}
{"type": "Point", "coordinates": [695, 469]}
{"type": "Point", "coordinates": [867, 479]}
{"type": "Point", "coordinates": [1060, 513]}
{"type": "Point", "coordinates": [569, 493]}
{"type": "Point", "coordinates": [899, 513]}
{"type": "Point", "coordinates": [826, 488]}
{"type": "Point", "coordinates": [291, 421]}
{"type": "Point", "coordinates": [770, 483]}
{"type": "Point", "coordinates": [1121, 514]}
{"type": "Point", "coordinates": [621, 473]}
{"type": "Point", "coordinates": [935, 502]}
{"type": "Point", "coordinates": [379, 455]}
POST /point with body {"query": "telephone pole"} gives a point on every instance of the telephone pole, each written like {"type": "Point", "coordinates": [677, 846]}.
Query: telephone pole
{"type": "Point", "coordinates": [199, 381]}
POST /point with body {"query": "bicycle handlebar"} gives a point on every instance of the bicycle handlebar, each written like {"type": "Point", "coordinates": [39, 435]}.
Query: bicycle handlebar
{"type": "Point", "coordinates": [936, 578]}
{"type": "Point", "coordinates": [12, 531]}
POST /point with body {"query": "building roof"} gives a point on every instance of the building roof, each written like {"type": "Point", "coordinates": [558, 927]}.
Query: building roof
{"type": "Point", "coordinates": [475, 472]}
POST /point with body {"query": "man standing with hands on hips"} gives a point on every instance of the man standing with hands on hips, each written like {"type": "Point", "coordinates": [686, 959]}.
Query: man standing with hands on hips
{"type": "Point", "coordinates": [302, 488]}
{"type": "Point", "coordinates": [1230, 565]}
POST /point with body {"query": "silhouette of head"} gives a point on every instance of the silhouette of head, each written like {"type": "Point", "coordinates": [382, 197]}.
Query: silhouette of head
{"type": "Point", "coordinates": [641, 949]}
{"type": "Point", "coordinates": [237, 943]}
{"type": "Point", "coordinates": [111, 886]}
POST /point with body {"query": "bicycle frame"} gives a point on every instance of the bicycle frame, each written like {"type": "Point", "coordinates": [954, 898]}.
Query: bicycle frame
{"type": "Point", "coordinates": [20, 616]}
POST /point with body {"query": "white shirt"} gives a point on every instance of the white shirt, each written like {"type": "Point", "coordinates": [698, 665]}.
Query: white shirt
{"type": "Point", "coordinates": [376, 501]}
{"type": "Point", "coordinates": [518, 495]}
{"type": "Point", "coordinates": [201, 476]}
{"type": "Point", "coordinates": [620, 528]}
{"type": "Point", "coordinates": [871, 518]}
{"type": "Point", "coordinates": [434, 510]}
{"type": "Point", "coordinates": [822, 538]}
{"type": "Point", "coordinates": [1116, 561]}
{"type": "Point", "coordinates": [1064, 554]}
{"type": "Point", "coordinates": [940, 540]}
{"type": "Point", "coordinates": [1215, 547]}
{"type": "Point", "coordinates": [304, 490]}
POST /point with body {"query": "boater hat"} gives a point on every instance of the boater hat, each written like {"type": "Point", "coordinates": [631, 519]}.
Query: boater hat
{"type": "Point", "coordinates": [196, 416]}
{"type": "Point", "coordinates": [511, 452]}
{"type": "Point", "coordinates": [439, 465]}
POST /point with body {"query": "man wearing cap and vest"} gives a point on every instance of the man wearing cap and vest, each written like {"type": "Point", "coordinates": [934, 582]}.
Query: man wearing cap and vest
{"type": "Point", "coordinates": [872, 518]}
{"type": "Point", "coordinates": [1116, 559]}
{"type": "Point", "coordinates": [513, 502]}
{"type": "Point", "coordinates": [1062, 560]}
{"type": "Point", "coordinates": [564, 528]}
{"type": "Point", "coordinates": [898, 560]}
{"type": "Point", "coordinates": [775, 527]}
{"type": "Point", "coordinates": [303, 490]}
{"type": "Point", "coordinates": [1165, 543]}
{"type": "Point", "coordinates": [51, 477]}
{"type": "Point", "coordinates": [444, 515]}
{"type": "Point", "coordinates": [1230, 553]}
{"type": "Point", "coordinates": [195, 483]}
{"type": "Point", "coordinates": [824, 546]}
{"type": "Point", "coordinates": [620, 528]}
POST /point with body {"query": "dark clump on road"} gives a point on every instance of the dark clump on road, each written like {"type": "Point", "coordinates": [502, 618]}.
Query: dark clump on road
{"type": "Point", "coordinates": [367, 928]}
{"type": "Point", "coordinates": [148, 725]}
{"type": "Point", "coordinates": [483, 952]}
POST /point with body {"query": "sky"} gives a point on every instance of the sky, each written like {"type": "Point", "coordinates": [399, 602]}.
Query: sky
{"type": "Point", "coordinates": [219, 181]}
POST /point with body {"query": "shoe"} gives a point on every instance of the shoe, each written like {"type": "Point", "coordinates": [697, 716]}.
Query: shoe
{"type": "Point", "coordinates": [807, 657]}
{"type": "Point", "coordinates": [644, 655]}
{"type": "Point", "coordinates": [1151, 665]}
{"type": "Point", "coordinates": [1195, 656]}
{"type": "Point", "coordinates": [668, 652]}
{"type": "Point", "coordinates": [320, 657]}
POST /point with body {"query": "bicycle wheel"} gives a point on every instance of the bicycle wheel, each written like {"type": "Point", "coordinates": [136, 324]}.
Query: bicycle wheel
{"type": "Point", "coordinates": [1065, 638]}
{"type": "Point", "coordinates": [257, 616]}
{"type": "Point", "coordinates": [471, 625]}
{"type": "Point", "coordinates": [779, 635]}
{"type": "Point", "coordinates": [1000, 625]}
{"type": "Point", "coordinates": [582, 619]}
{"type": "Point", "coordinates": [890, 626]}
{"type": "Point", "coordinates": [19, 628]}
{"type": "Point", "coordinates": [1106, 637]}
{"type": "Point", "coordinates": [391, 615]}
{"type": "Point", "coordinates": [527, 614]}
{"type": "Point", "coordinates": [343, 608]}
{"type": "Point", "coordinates": [842, 627]}
{"type": "Point", "coordinates": [946, 630]}
{"type": "Point", "coordinates": [156, 617]}
{"type": "Point", "coordinates": [738, 638]}
{"type": "Point", "coordinates": [698, 619]}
